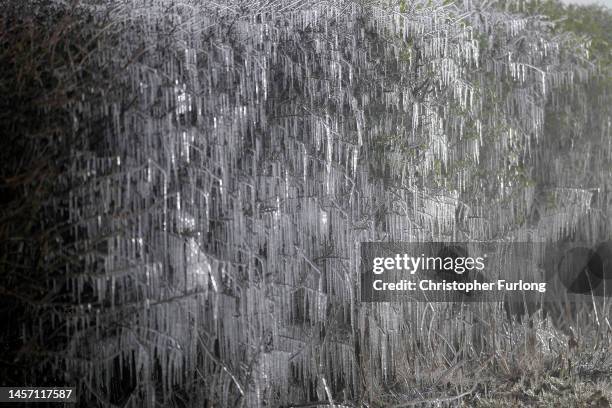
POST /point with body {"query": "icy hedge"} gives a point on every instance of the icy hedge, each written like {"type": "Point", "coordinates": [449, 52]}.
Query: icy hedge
{"type": "Point", "coordinates": [230, 157]}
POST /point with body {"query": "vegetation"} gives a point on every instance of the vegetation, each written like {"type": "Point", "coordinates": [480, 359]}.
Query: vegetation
{"type": "Point", "coordinates": [185, 187]}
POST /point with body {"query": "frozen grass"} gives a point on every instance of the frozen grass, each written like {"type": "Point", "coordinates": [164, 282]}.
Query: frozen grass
{"type": "Point", "coordinates": [543, 367]}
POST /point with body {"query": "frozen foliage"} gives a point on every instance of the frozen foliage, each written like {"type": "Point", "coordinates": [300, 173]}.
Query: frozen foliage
{"type": "Point", "coordinates": [238, 152]}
